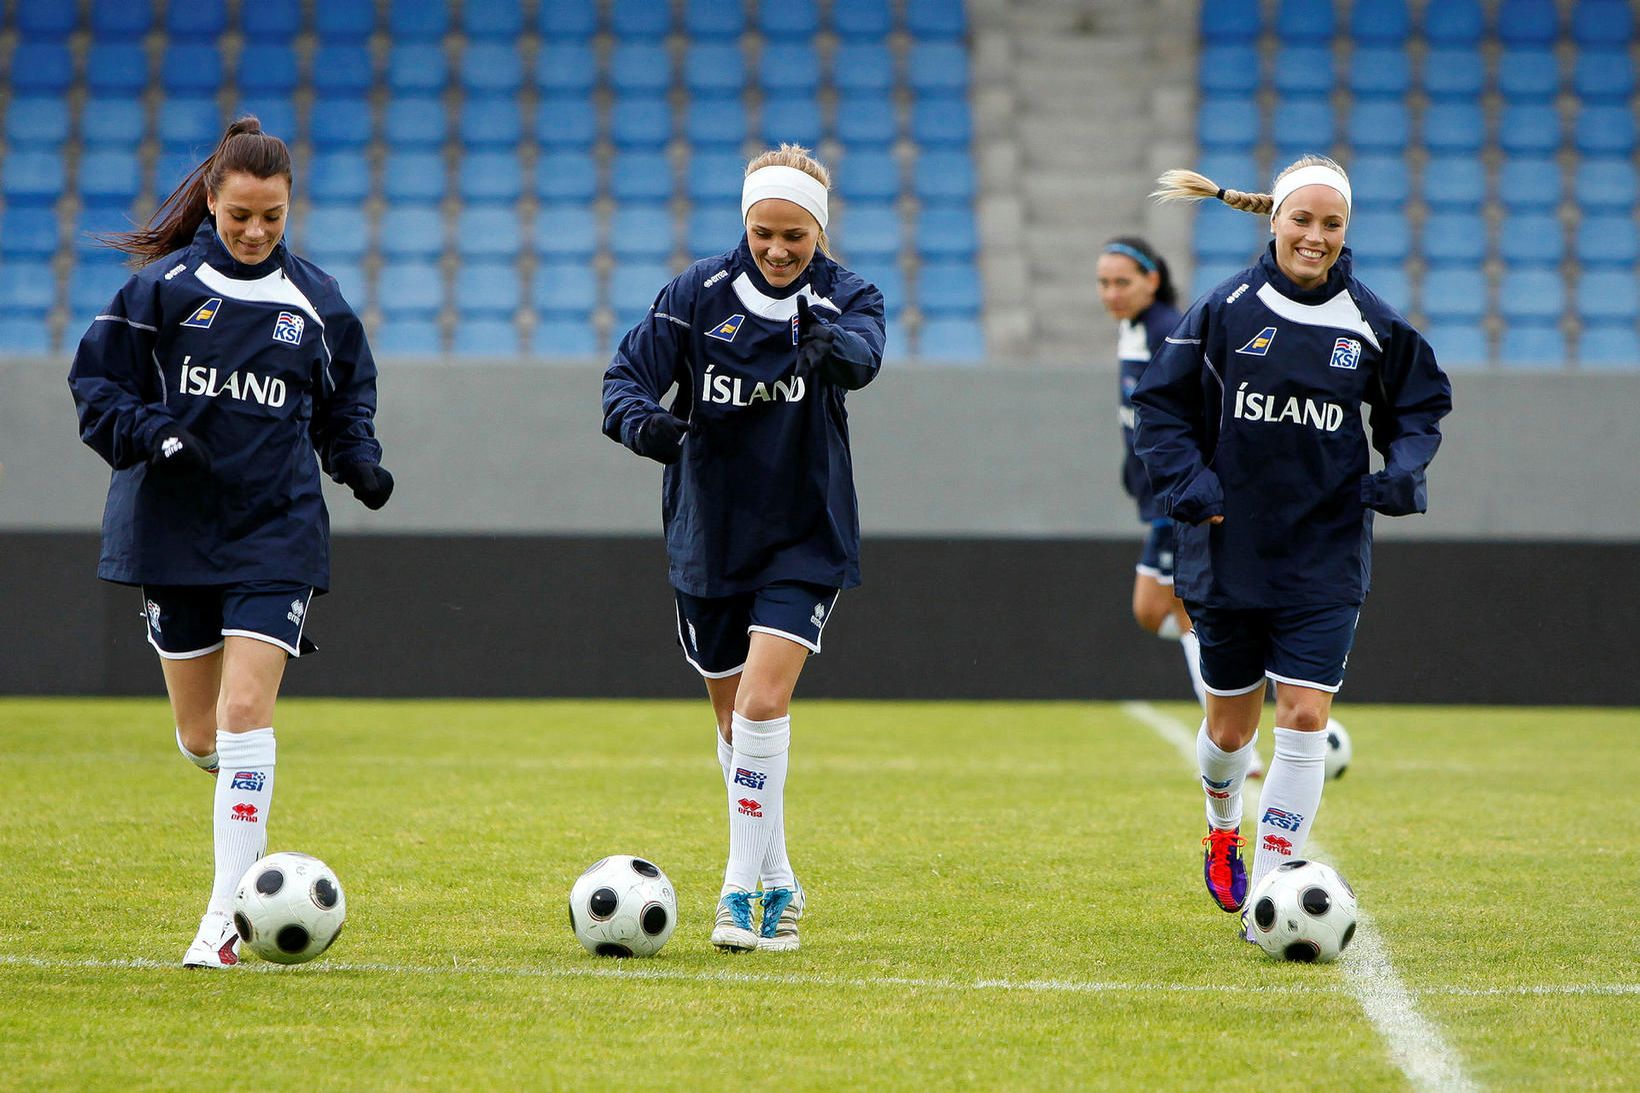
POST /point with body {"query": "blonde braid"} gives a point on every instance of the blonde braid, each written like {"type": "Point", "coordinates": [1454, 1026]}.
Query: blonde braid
{"type": "Point", "coordinates": [1189, 186]}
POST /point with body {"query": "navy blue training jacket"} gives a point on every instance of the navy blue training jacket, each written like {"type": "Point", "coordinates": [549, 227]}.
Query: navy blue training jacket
{"type": "Point", "coordinates": [1252, 411]}
{"type": "Point", "coordinates": [1137, 340]}
{"type": "Point", "coordinates": [764, 490]}
{"type": "Point", "coordinates": [265, 365]}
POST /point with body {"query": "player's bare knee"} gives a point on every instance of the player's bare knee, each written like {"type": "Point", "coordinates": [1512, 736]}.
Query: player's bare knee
{"type": "Point", "coordinates": [756, 705]}
{"type": "Point", "coordinates": [242, 713]}
{"type": "Point", "coordinates": [1305, 719]}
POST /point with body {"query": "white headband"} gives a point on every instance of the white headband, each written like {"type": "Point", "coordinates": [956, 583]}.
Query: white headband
{"type": "Point", "coordinates": [1314, 175]}
{"type": "Point", "coordinates": [787, 183]}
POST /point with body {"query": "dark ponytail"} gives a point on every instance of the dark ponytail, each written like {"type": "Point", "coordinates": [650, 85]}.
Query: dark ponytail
{"type": "Point", "coordinates": [1124, 244]}
{"type": "Point", "coordinates": [244, 147]}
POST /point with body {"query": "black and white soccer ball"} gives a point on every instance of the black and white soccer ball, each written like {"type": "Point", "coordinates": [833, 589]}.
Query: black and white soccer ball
{"type": "Point", "coordinates": [1303, 911]}
{"type": "Point", "coordinates": [623, 906]}
{"type": "Point", "coordinates": [289, 908]}
{"type": "Point", "coordinates": [1339, 750]}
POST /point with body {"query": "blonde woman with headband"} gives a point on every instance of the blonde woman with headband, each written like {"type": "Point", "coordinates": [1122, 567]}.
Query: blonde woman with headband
{"type": "Point", "coordinates": [1249, 424]}
{"type": "Point", "coordinates": [762, 344]}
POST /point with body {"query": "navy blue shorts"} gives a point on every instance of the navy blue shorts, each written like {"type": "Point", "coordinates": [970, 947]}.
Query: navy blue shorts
{"type": "Point", "coordinates": [187, 621]}
{"type": "Point", "coordinates": [1156, 561]}
{"type": "Point", "coordinates": [716, 633]}
{"type": "Point", "coordinates": [1306, 646]}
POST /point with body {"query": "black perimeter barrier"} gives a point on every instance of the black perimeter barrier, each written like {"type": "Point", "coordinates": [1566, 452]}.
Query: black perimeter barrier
{"type": "Point", "coordinates": [489, 616]}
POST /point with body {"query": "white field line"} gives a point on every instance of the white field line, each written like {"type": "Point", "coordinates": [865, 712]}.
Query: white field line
{"type": "Point", "coordinates": [1415, 1043]}
{"type": "Point", "coordinates": [651, 971]}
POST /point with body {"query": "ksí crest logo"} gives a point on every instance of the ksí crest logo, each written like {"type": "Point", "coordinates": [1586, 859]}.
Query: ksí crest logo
{"type": "Point", "coordinates": [1346, 353]}
{"type": "Point", "coordinates": [288, 328]}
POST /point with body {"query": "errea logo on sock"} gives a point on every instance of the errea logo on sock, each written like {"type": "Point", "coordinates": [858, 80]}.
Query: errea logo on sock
{"type": "Point", "coordinates": [245, 812]}
{"type": "Point", "coordinates": [1281, 846]}
{"type": "Point", "coordinates": [749, 807]}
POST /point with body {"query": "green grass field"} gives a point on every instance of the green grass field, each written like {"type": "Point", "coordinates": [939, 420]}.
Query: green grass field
{"type": "Point", "coordinates": [1000, 895]}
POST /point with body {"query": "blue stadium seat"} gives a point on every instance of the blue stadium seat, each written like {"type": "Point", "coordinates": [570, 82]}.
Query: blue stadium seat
{"type": "Point", "coordinates": [410, 289]}
{"type": "Point", "coordinates": [342, 69]}
{"type": "Point", "coordinates": [789, 68]}
{"type": "Point", "coordinates": [937, 66]}
{"type": "Point", "coordinates": [566, 176]}
{"type": "Point", "coordinates": [116, 68]}
{"type": "Point", "coordinates": [45, 22]}
{"type": "Point", "coordinates": [1528, 74]}
{"type": "Point", "coordinates": [26, 334]}
{"type": "Point", "coordinates": [1529, 183]}
{"type": "Point", "coordinates": [863, 66]}
{"type": "Point", "coordinates": [490, 177]}
{"type": "Point", "coordinates": [197, 20]}
{"type": "Point", "coordinates": [410, 335]}
{"type": "Point", "coordinates": [1525, 295]}
{"type": "Point", "coordinates": [1211, 273]}
{"type": "Point", "coordinates": [1228, 124]}
{"type": "Point", "coordinates": [1527, 22]}
{"type": "Point", "coordinates": [92, 285]}
{"type": "Point", "coordinates": [488, 231]}
{"type": "Point", "coordinates": [564, 289]}
{"type": "Point", "coordinates": [270, 19]}
{"type": "Point", "coordinates": [189, 124]}
{"type": "Point", "coordinates": [1303, 70]}
{"type": "Point", "coordinates": [941, 121]}
{"type": "Point", "coordinates": [266, 69]}
{"type": "Point", "coordinates": [714, 69]}
{"type": "Point", "coordinates": [641, 176]}
{"type": "Point", "coordinates": [1609, 345]}
{"type": "Point", "coordinates": [870, 232]}
{"type": "Point", "coordinates": [1223, 234]}
{"type": "Point", "coordinates": [1453, 73]}
{"type": "Point", "coordinates": [1230, 21]}
{"type": "Point", "coordinates": [645, 122]}
{"type": "Point", "coordinates": [862, 20]}
{"type": "Point", "coordinates": [417, 20]}
{"type": "Point", "coordinates": [944, 178]}
{"type": "Point", "coordinates": [632, 288]}
{"type": "Point", "coordinates": [642, 68]}
{"type": "Point", "coordinates": [37, 121]}
{"type": "Point", "coordinates": [1454, 238]}
{"type": "Point", "coordinates": [888, 279]}
{"type": "Point", "coordinates": [489, 122]}
{"type": "Point", "coordinates": [344, 20]}
{"type": "Point", "coordinates": [345, 176]}
{"type": "Point", "coordinates": [115, 19]}
{"type": "Point", "coordinates": [566, 68]}
{"type": "Point", "coordinates": [1531, 239]}
{"type": "Point", "coordinates": [564, 338]}
{"type": "Point", "coordinates": [1303, 122]}
{"type": "Point", "coordinates": [952, 340]}
{"type": "Point", "coordinates": [1380, 182]}
{"type": "Point", "coordinates": [1602, 24]}
{"type": "Point", "coordinates": [30, 288]}
{"type": "Point", "coordinates": [353, 285]}
{"type": "Point", "coordinates": [716, 176]}
{"type": "Point", "coordinates": [485, 337]}
{"type": "Point", "coordinates": [277, 113]}
{"type": "Point", "coordinates": [1230, 69]}
{"type": "Point", "coordinates": [713, 229]}
{"type": "Point", "coordinates": [794, 118]}
{"type": "Point", "coordinates": [788, 19]}
{"type": "Point", "coordinates": [1379, 237]}
{"type": "Point", "coordinates": [718, 123]}
{"type": "Point", "coordinates": [1455, 181]}
{"type": "Point", "coordinates": [414, 176]}
{"type": "Point", "coordinates": [567, 20]}
{"type": "Point", "coordinates": [724, 20]}
{"type": "Point", "coordinates": [1605, 130]}
{"type": "Point", "coordinates": [417, 68]}
{"type": "Point", "coordinates": [340, 233]}
{"type": "Point", "coordinates": [340, 122]}
{"type": "Point", "coordinates": [1305, 21]}
{"type": "Point", "coordinates": [492, 19]}
{"type": "Point", "coordinates": [1235, 170]}
{"type": "Point", "coordinates": [492, 67]}
{"type": "Point", "coordinates": [1529, 129]}
{"type": "Point", "coordinates": [947, 234]}
{"type": "Point", "coordinates": [171, 168]}
{"type": "Point", "coordinates": [93, 222]}
{"type": "Point", "coordinates": [1388, 281]}
{"type": "Point", "coordinates": [1380, 72]}
{"type": "Point", "coordinates": [1608, 296]}
{"type": "Point", "coordinates": [33, 177]}
{"type": "Point", "coordinates": [949, 288]}
{"type": "Point", "coordinates": [1382, 22]}
{"type": "Point", "coordinates": [1454, 22]}
{"type": "Point", "coordinates": [412, 231]}
{"type": "Point", "coordinates": [487, 290]}
{"type": "Point", "coordinates": [935, 18]}
{"type": "Point", "coordinates": [1458, 345]}
{"type": "Point", "coordinates": [110, 176]}
{"type": "Point", "coordinates": [866, 120]}
{"type": "Point", "coordinates": [1456, 292]}
{"type": "Point", "coordinates": [566, 122]}
{"type": "Point", "coordinates": [1606, 184]}
{"type": "Point", "coordinates": [639, 20]}
{"type": "Point", "coordinates": [28, 232]}
{"type": "Point", "coordinates": [1603, 76]}
{"type": "Point", "coordinates": [1532, 345]}
{"type": "Point", "coordinates": [1607, 240]}
{"type": "Point", "coordinates": [867, 175]}
{"type": "Point", "coordinates": [415, 122]}
{"type": "Point", "coordinates": [41, 67]}
{"type": "Point", "coordinates": [1380, 125]}
{"type": "Point", "coordinates": [567, 231]}
{"type": "Point", "coordinates": [641, 231]}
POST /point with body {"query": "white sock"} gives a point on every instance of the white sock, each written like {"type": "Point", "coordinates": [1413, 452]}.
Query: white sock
{"type": "Point", "coordinates": [244, 792]}
{"type": "Point", "coordinates": [208, 761]}
{"type": "Point", "coordinates": [1291, 797]}
{"type": "Point", "coordinates": [725, 755]}
{"type": "Point", "coordinates": [1192, 646]}
{"type": "Point", "coordinates": [1169, 630]}
{"type": "Point", "coordinates": [1223, 773]}
{"type": "Point", "coordinates": [756, 795]}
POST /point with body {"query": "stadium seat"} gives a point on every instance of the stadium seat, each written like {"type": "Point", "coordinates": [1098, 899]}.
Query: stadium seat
{"type": "Point", "coordinates": [1609, 346]}
{"type": "Point", "coordinates": [788, 19]}
{"type": "Point", "coordinates": [189, 125]}
{"type": "Point", "coordinates": [1608, 295]}
{"type": "Point", "coordinates": [1379, 125]}
{"type": "Point", "coordinates": [1458, 345]}
{"type": "Point", "coordinates": [36, 121]}
{"type": "Point", "coordinates": [91, 224]}
{"type": "Point", "coordinates": [567, 20]}
{"type": "Point", "coordinates": [713, 229]}
{"type": "Point", "coordinates": [632, 289]}
{"type": "Point", "coordinates": [412, 231]}
{"type": "Point", "coordinates": [641, 176]}
{"type": "Point", "coordinates": [793, 118]}
{"type": "Point", "coordinates": [1528, 74]}
{"type": "Point", "coordinates": [354, 286]}
{"type": "Point", "coordinates": [344, 20]}
{"type": "Point", "coordinates": [642, 68]}
{"type": "Point", "coordinates": [566, 176]}
{"type": "Point", "coordinates": [1223, 234]}
{"type": "Point", "coordinates": [1605, 130]}
{"type": "Point", "coordinates": [28, 232]}
{"type": "Point", "coordinates": [642, 231]}
{"type": "Point", "coordinates": [410, 289]}
{"type": "Point", "coordinates": [417, 20]}
{"type": "Point", "coordinates": [277, 113]}
{"type": "Point", "coordinates": [26, 334]}
{"type": "Point", "coordinates": [485, 337]}
{"type": "Point", "coordinates": [1603, 76]}
{"type": "Point", "coordinates": [865, 120]}
{"type": "Point", "coordinates": [1303, 70]}
{"type": "Point", "coordinates": [1230, 21]}
{"type": "Point", "coordinates": [564, 338]}
{"type": "Point", "coordinates": [566, 232]}
{"type": "Point", "coordinates": [270, 20]}
{"type": "Point", "coordinates": [1454, 74]}
{"type": "Point", "coordinates": [415, 122]}
{"type": "Point", "coordinates": [92, 285]}
{"type": "Point", "coordinates": [563, 290]}
{"type": "Point", "coordinates": [1228, 124]}
{"type": "Point", "coordinates": [1527, 22]}
{"type": "Point", "coordinates": [491, 68]}
{"type": "Point", "coordinates": [34, 177]}
{"type": "Point", "coordinates": [116, 68]}
{"type": "Point", "coordinates": [491, 122]}
{"type": "Point", "coordinates": [489, 290]}
{"type": "Point", "coordinates": [1531, 239]}
{"type": "Point", "coordinates": [488, 231]}
{"type": "Point", "coordinates": [45, 22]}
{"type": "Point", "coordinates": [1378, 236]}
{"type": "Point", "coordinates": [30, 287]}
{"type": "Point", "coordinates": [951, 340]}
{"type": "Point", "coordinates": [1454, 181]}
{"type": "Point", "coordinates": [1380, 72]}
{"type": "Point", "coordinates": [639, 20]}
{"type": "Point", "coordinates": [870, 232]}
{"type": "Point", "coordinates": [1305, 21]}
{"type": "Point", "coordinates": [172, 168]}
{"type": "Point", "coordinates": [714, 123]}
{"type": "Point", "coordinates": [868, 175]}
{"type": "Point", "coordinates": [1607, 240]}
{"type": "Point", "coordinates": [935, 18]}
{"type": "Point", "coordinates": [947, 234]}
{"type": "Point", "coordinates": [339, 233]}
{"type": "Point", "coordinates": [714, 19]}
{"type": "Point", "coordinates": [197, 20]}
{"type": "Point", "coordinates": [716, 177]}
{"type": "Point", "coordinates": [941, 121]}
{"type": "Point", "coordinates": [1455, 293]}
{"type": "Point", "coordinates": [490, 177]}
{"type": "Point", "coordinates": [1454, 22]}
{"type": "Point", "coordinates": [340, 123]}
{"type": "Point", "coordinates": [936, 66]}
{"type": "Point", "coordinates": [1235, 170]}
{"type": "Point", "coordinates": [266, 69]}
{"type": "Point", "coordinates": [1231, 69]}
{"type": "Point", "coordinates": [1532, 345]}
{"type": "Point", "coordinates": [888, 280]}
{"type": "Point", "coordinates": [1380, 182]}
{"type": "Point", "coordinates": [714, 69]}
{"type": "Point", "coordinates": [1529, 183]}
{"type": "Point", "coordinates": [417, 68]}
{"type": "Point", "coordinates": [1380, 23]}
{"type": "Point", "coordinates": [1453, 238]}
{"type": "Point", "coordinates": [110, 176]}
{"type": "Point", "coordinates": [41, 66]}
{"type": "Point", "coordinates": [1527, 295]}
{"type": "Point", "coordinates": [408, 335]}
{"type": "Point", "coordinates": [1606, 184]}
{"type": "Point", "coordinates": [788, 68]}
{"type": "Point", "coordinates": [121, 19]}
{"type": "Point", "coordinates": [564, 68]}
{"type": "Point", "coordinates": [342, 70]}
{"type": "Point", "coordinates": [1302, 122]}
{"type": "Point", "coordinates": [949, 288]}
{"type": "Point", "coordinates": [345, 176]}
{"type": "Point", "coordinates": [566, 122]}
{"type": "Point", "coordinates": [1529, 129]}
{"type": "Point", "coordinates": [492, 19]}
{"type": "Point", "coordinates": [1388, 281]}
{"type": "Point", "coordinates": [1602, 24]}
{"type": "Point", "coordinates": [862, 66]}
{"type": "Point", "coordinates": [944, 178]}
{"type": "Point", "coordinates": [1453, 126]}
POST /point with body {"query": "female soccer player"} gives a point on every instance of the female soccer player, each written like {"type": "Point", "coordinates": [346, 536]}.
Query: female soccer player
{"type": "Point", "coordinates": [1249, 423]}
{"type": "Point", "coordinates": [208, 384]}
{"type": "Point", "coordinates": [762, 343]}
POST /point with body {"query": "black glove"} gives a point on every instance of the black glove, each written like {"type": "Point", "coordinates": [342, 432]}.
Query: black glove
{"type": "Point", "coordinates": [660, 437]}
{"type": "Point", "coordinates": [178, 452]}
{"type": "Point", "coordinates": [369, 482]}
{"type": "Point", "coordinates": [815, 339]}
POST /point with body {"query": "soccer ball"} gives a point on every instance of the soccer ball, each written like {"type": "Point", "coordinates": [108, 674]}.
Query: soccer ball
{"type": "Point", "coordinates": [1304, 911]}
{"type": "Point", "coordinates": [623, 906]}
{"type": "Point", "coordinates": [289, 908]}
{"type": "Point", "coordinates": [1338, 749]}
